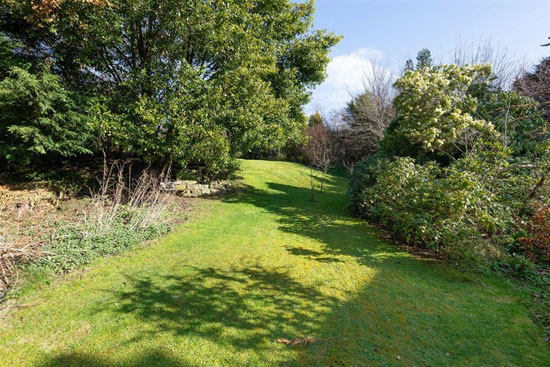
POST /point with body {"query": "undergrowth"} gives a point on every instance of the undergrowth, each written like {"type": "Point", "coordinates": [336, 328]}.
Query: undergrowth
{"type": "Point", "coordinates": [124, 211]}
{"type": "Point", "coordinates": [78, 244]}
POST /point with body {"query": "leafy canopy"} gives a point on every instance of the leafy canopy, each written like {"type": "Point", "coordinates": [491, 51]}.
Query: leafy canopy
{"type": "Point", "coordinates": [179, 81]}
{"type": "Point", "coordinates": [434, 107]}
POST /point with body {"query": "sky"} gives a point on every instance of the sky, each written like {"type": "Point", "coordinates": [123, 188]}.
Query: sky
{"type": "Point", "coordinates": [388, 32]}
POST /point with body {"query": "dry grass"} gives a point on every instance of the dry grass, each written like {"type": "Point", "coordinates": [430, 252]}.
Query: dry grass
{"type": "Point", "coordinates": [119, 190]}
{"type": "Point", "coordinates": [25, 211]}
{"type": "Point", "coordinates": [31, 216]}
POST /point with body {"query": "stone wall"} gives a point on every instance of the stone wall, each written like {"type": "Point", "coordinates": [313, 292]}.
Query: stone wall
{"type": "Point", "coordinates": [195, 189]}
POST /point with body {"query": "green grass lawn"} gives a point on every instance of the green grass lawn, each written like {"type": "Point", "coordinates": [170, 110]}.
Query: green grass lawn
{"type": "Point", "coordinates": [263, 264]}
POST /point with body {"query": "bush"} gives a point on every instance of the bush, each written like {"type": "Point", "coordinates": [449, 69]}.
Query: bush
{"type": "Point", "coordinates": [456, 210]}
{"type": "Point", "coordinates": [446, 210]}
{"type": "Point", "coordinates": [39, 118]}
{"type": "Point", "coordinates": [460, 164]}
{"type": "Point", "coordinates": [363, 176]}
{"type": "Point", "coordinates": [536, 244]}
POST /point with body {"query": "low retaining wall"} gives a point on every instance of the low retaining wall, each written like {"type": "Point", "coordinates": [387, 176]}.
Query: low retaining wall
{"type": "Point", "coordinates": [194, 188]}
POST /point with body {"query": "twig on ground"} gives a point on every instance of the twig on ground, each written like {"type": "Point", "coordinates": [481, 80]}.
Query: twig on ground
{"type": "Point", "coordinates": [302, 341]}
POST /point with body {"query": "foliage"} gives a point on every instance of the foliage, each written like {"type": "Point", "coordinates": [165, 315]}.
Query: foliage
{"type": "Point", "coordinates": [188, 82]}
{"type": "Point", "coordinates": [424, 59]}
{"type": "Point", "coordinates": [124, 211]}
{"type": "Point", "coordinates": [518, 118]}
{"type": "Point", "coordinates": [536, 244]}
{"type": "Point", "coordinates": [363, 176]}
{"type": "Point", "coordinates": [536, 85]}
{"type": "Point", "coordinates": [39, 118]}
{"type": "Point", "coordinates": [540, 310]}
{"type": "Point", "coordinates": [446, 120]}
{"type": "Point", "coordinates": [409, 65]}
{"type": "Point", "coordinates": [76, 245]}
{"type": "Point", "coordinates": [363, 122]}
{"type": "Point", "coordinates": [320, 152]}
{"type": "Point", "coordinates": [367, 117]}
{"type": "Point", "coordinates": [7, 59]}
{"type": "Point", "coordinates": [315, 119]}
{"type": "Point", "coordinates": [447, 210]}
{"type": "Point", "coordinates": [459, 165]}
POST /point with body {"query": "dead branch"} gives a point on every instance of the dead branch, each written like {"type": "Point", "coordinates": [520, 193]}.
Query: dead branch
{"type": "Point", "coordinates": [302, 341]}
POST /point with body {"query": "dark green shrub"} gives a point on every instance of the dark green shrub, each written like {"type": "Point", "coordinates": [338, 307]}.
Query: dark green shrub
{"type": "Point", "coordinates": [443, 209]}
{"type": "Point", "coordinates": [39, 119]}
{"type": "Point", "coordinates": [364, 176]}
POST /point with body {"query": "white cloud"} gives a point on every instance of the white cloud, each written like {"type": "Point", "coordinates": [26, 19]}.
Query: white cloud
{"type": "Point", "coordinates": [346, 76]}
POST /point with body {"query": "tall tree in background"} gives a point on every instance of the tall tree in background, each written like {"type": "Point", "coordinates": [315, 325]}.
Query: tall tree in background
{"type": "Point", "coordinates": [409, 65]}
{"type": "Point", "coordinates": [424, 59]}
{"type": "Point", "coordinates": [315, 119]}
{"type": "Point", "coordinates": [368, 115]}
{"type": "Point", "coordinates": [505, 65]}
{"type": "Point", "coordinates": [536, 85]}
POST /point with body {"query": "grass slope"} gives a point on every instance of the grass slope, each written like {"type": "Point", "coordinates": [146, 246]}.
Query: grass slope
{"type": "Point", "coordinates": [269, 264]}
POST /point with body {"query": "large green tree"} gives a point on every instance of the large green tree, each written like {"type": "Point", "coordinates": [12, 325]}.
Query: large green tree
{"type": "Point", "coordinates": [180, 75]}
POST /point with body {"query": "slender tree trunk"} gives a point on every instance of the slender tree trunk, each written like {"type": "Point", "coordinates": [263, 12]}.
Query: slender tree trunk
{"type": "Point", "coordinates": [312, 183]}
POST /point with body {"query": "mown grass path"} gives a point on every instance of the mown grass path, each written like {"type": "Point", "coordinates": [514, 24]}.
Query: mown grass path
{"type": "Point", "coordinates": [267, 264]}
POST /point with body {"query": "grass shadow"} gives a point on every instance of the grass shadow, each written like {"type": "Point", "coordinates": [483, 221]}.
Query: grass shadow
{"type": "Point", "coordinates": [150, 359]}
{"type": "Point", "coordinates": [326, 220]}
{"type": "Point", "coordinates": [242, 308]}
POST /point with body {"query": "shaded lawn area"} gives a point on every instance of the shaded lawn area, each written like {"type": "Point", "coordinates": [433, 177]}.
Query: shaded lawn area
{"type": "Point", "coordinates": [264, 264]}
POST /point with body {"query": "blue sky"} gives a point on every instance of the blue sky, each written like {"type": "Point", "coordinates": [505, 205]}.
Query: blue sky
{"type": "Point", "coordinates": [391, 31]}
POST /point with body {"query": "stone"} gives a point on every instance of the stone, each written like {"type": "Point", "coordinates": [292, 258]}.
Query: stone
{"type": "Point", "coordinates": [180, 189]}
{"type": "Point", "coordinates": [190, 188]}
